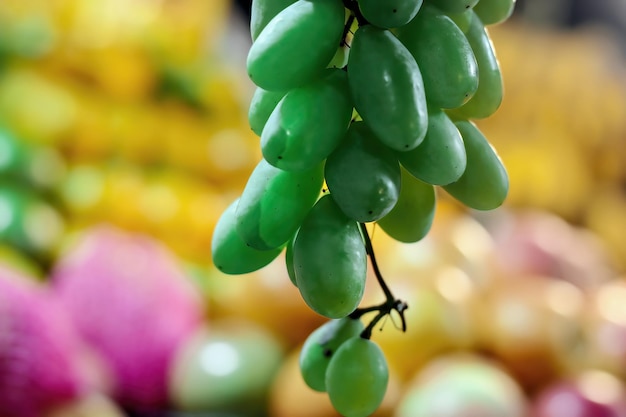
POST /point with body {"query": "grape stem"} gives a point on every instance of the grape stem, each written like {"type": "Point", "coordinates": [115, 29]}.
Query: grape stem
{"type": "Point", "coordinates": [390, 304]}
{"type": "Point", "coordinates": [353, 6]}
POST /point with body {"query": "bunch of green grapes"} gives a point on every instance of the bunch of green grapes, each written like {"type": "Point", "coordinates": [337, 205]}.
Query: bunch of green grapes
{"type": "Point", "coordinates": [363, 107]}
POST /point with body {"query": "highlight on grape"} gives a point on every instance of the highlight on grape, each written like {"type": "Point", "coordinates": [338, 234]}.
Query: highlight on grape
{"type": "Point", "coordinates": [363, 108]}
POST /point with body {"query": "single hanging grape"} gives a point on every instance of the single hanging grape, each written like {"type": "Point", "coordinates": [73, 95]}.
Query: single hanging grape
{"type": "Point", "coordinates": [330, 260]}
{"type": "Point", "coordinates": [387, 88]}
{"type": "Point", "coordinates": [444, 56]}
{"type": "Point", "coordinates": [440, 159]}
{"type": "Point", "coordinates": [485, 183]}
{"type": "Point", "coordinates": [261, 107]}
{"type": "Point", "coordinates": [412, 217]}
{"type": "Point", "coordinates": [488, 96]}
{"type": "Point", "coordinates": [363, 175]}
{"type": "Point", "coordinates": [230, 253]}
{"type": "Point", "coordinates": [321, 346]}
{"type": "Point", "coordinates": [357, 377]}
{"type": "Point", "coordinates": [274, 203]}
{"type": "Point", "coordinates": [308, 123]}
{"type": "Point", "coordinates": [389, 13]}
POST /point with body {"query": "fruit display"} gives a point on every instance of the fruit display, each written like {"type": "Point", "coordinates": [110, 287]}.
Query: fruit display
{"type": "Point", "coordinates": [135, 152]}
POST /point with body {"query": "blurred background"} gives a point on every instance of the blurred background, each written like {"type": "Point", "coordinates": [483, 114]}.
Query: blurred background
{"type": "Point", "coordinates": [124, 135]}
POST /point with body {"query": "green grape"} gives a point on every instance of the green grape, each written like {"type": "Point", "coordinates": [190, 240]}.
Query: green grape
{"type": "Point", "coordinates": [488, 96]}
{"type": "Point", "coordinates": [308, 123]}
{"type": "Point", "coordinates": [453, 6]}
{"type": "Point", "coordinates": [462, 20]}
{"type": "Point", "coordinates": [261, 107]}
{"type": "Point", "coordinates": [274, 203]}
{"type": "Point", "coordinates": [412, 217]}
{"type": "Point", "coordinates": [297, 45]}
{"type": "Point", "coordinates": [320, 347]}
{"type": "Point", "coordinates": [262, 11]}
{"type": "Point", "coordinates": [444, 56]}
{"type": "Point", "coordinates": [363, 175]}
{"type": "Point", "coordinates": [484, 184]}
{"type": "Point", "coordinates": [357, 377]}
{"type": "Point", "coordinates": [492, 12]}
{"type": "Point", "coordinates": [387, 88]}
{"type": "Point", "coordinates": [291, 272]}
{"type": "Point", "coordinates": [230, 253]}
{"type": "Point", "coordinates": [440, 159]}
{"type": "Point", "coordinates": [389, 13]}
{"type": "Point", "coordinates": [330, 260]}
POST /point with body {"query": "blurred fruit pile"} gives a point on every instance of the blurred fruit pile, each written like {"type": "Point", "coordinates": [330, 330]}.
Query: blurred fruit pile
{"type": "Point", "coordinates": [123, 136]}
{"type": "Point", "coordinates": [561, 129]}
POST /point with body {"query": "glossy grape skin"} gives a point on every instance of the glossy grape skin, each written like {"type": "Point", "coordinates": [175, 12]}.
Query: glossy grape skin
{"type": "Point", "coordinates": [444, 56]}
{"type": "Point", "coordinates": [274, 203]}
{"type": "Point", "coordinates": [412, 217]}
{"type": "Point", "coordinates": [262, 11]}
{"type": "Point", "coordinates": [308, 123]}
{"type": "Point", "coordinates": [230, 253]}
{"type": "Point", "coordinates": [387, 88]}
{"type": "Point", "coordinates": [453, 6]}
{"type": "Point", "coordinates": [330, 260]}
{"type": "Point", "coordinates": [492, 12]}
{"type": "Point", "coordinates": [321, 346]}
{"type": "Point", "coordinates": [389, 13]}
{"type": "Point", "coordinates": [440, 159]}
{"type": "Point", "coordinates": [291, 272]}
{"type": "Point", "coordinates": [485, 183]}
{"type": "Point", "coordinates": [462, 20]}
{"type": "Point", "coordinates": [488, 97]}
{"type": "Point", "coordinates": [357, 377]}
{"type": "Point", "coordinates": [261, 107]}
{"type": "Point", "coordinates": [297, 45]}
{"type": "Point", "coordinates": [363, 175]}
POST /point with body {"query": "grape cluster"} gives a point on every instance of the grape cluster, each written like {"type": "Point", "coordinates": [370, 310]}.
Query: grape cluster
{"type": "Point", "coordinates": [363, 107]}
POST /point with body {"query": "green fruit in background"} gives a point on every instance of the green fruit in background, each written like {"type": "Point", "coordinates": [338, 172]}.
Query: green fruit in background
{"type": "Point", "coordinates": [27, 221]}
{"type": "Point", "coordinates": [452, 385]}
{"type": "Point", "coordinates": [225, 368]}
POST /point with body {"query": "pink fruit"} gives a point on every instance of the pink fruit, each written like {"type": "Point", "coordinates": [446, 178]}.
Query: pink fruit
{"type": "Point", "coordinates": [591, 394]}
{"type": "Point", "coordinates": [133, 304]}
{"type": "Point", "coordinates": [39, 349]}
